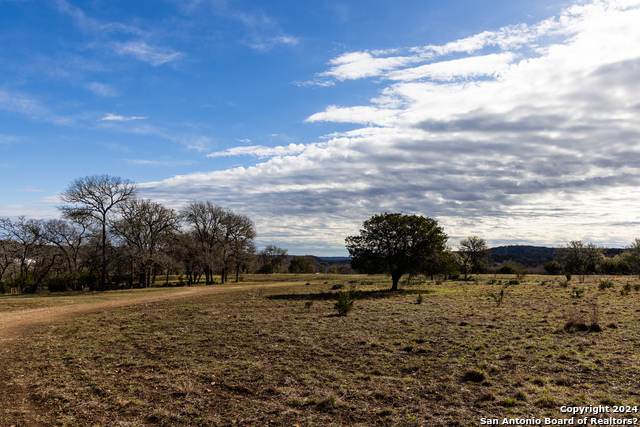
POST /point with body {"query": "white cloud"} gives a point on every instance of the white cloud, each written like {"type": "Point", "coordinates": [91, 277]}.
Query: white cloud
{"type": "Point", "coordinates": [142, 51]}
{"type": "Point", "coordinates": [29, 189]}
{"type": "Point", "coordinates": [357, 65]}
{"type": "Point", "coordinates": [9, 139]}
{"type": "Point", "coordinates": [541, 145]}
{"type": "Point", "coordinates": [102, 89]}
{"type": "Point", "coordinates": [164, 163]}
{"type": "Point", "coordinates": [27, 105]}
{"type": "Point", "coordinates": [117, 118]}
{"type": "Point", "coordinates": [261, 151]}
{"type": "Point", "coordinates": [465, 68]}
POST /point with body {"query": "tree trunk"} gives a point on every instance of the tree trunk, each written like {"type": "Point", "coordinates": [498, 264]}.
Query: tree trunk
{"type": "Point", "coordinates": [395, 278]}
{"type": "Point", "coordinates": [103, 279]}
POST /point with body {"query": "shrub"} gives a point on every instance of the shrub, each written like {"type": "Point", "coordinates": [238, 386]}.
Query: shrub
{"type": "Point", "coordinates": [605, 284]}
{"type": "Point", "coordinates": [498, 297]}
{"type": "Point", "coordinates": [577, 322]}
{"type": "Point", "coordinates": [506, 269]}
{"type": "Point", "coordinates": [474, 376]}
{"type": "Point", "coordinates": [521, 273]}
{"type": "Point", "coordinates": [337, 286]}
{"type": "Point", "coordinates": [553, 268]}
{"type": "Point", "coordinates": [576, 292]}
{"type": "Point", "coordinates": [626, 289]}
{"type": "Point", "coordinates": [420, 299]}
{"type": "Point", "coordinates": [344, 304]}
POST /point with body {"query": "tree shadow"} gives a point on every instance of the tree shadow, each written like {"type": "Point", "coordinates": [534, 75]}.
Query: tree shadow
{"type": "Point", "coordinates": [358, 294]}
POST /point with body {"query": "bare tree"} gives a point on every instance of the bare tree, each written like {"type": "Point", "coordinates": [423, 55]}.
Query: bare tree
{"type": "Point", "coordinates": [205, 220]}
{"type": "Point", "coordinates": [69, 237]}
{"type": "Point", "coordinates": [474, 253]}
{"type": "Point", "coordinates": [96, 197]}
{"type": "Point", "coordinates": [238, 237]}
{"type": "Point", "coordinates": [145, 227]}
{"type": "Point", "coordinates": [272, 258]}
{"type": "Point", "coordinates": [31, 255]}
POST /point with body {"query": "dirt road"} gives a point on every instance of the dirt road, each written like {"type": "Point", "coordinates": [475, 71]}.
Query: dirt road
{"type": "Point", "coordinates": [16, 408]}
{"type": "Point", "coordinates": [13, 323]}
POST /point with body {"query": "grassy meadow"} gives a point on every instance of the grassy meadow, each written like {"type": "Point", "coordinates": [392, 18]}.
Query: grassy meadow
{"type": "Point", "coordinates": [434, 354]}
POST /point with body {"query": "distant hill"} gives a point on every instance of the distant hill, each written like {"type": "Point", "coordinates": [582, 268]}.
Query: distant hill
{"type": "Point", "coordinates": [527, 256]}
{"type": "Point", "coordinates": [326, 263]}
{"type": "Point", "coordinates": [532, 256]}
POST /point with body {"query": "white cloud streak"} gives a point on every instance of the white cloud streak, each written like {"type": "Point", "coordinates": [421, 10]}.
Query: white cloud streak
{"type": "Point", "coordinates": [260, 151]}
{"type": "Point", "coordinates": [143, 52]}
{"type": "Point", "coordinates": [117, 118]}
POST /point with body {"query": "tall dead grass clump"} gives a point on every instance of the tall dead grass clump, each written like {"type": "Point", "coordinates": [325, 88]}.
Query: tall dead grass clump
{"type": "Point", "coordinates": [576, 322]}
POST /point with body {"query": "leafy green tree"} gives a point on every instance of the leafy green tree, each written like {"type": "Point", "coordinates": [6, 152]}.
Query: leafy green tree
{"type": "Point", "coordinates": [300, 265]}
{"type": "Point", "coordinates": [580, 258]}
{"type": "Point", "coordinates": [395, 244]}
{"type": "Point", "coordinates": [632, 257]}
{"type": "Point", "coordinates": [552, 267]}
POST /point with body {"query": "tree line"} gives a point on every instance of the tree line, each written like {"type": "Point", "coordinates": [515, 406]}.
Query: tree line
{"type": "Point", "coordinates": [397, 244]}
{"type": "Point", "coordinates": [107, 238]}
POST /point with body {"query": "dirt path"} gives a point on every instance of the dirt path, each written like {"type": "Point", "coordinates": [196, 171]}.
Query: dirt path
{"type": "Point", "coordinates": [14, 323]}
{"type": "Point", "coordinates": [15, 407]}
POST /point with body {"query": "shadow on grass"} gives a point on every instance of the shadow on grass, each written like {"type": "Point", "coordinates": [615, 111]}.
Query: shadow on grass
{"type": "Point", "coordinates": [374, 294]}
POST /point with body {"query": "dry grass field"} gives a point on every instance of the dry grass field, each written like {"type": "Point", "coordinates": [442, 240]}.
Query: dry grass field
{"type": "Point", "coordinates": [275, 355]}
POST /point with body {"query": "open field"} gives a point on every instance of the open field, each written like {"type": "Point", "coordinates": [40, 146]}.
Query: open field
{"type": "Point", "coordinates": [261, 354]}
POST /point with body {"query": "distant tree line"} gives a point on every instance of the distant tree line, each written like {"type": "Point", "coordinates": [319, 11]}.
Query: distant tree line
{"type": "Point", "coordinates": [398, 244]}
{"type": "Point", "coordinates": [108, 238]}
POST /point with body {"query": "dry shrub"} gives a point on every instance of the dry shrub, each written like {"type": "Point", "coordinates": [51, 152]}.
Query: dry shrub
{"type": "Point", "coordinates": [576, 322]}
{"type": "Point", "coordinates": [474, 375]}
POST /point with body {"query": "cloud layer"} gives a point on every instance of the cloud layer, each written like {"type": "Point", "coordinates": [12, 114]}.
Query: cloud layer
{"type": "Point", "coordinates": [528, 134]}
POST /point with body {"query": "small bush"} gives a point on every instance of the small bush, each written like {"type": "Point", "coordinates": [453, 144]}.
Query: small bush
{"type": "Point", "coordinates": [337, 286]}
{"type": "Point", "coordinates": [626, 289]}
{"type": "Point", "coordinates": [576, 292]}
{"type": "Point", "coordinates": [506, 269]}
{"type": "Point", "coordinates": [577, 323]}
{"type": "Point", "coordinates": [553, 268]}
{"type": "Point", "coordinates": [498, 297]}
{"type": "Point", "coordinates": [605, 284]}
{"type": "Point", "coordinates": [474, 376]}
{"type": "Point", "coordinates": [344, 304]}
{"type": "Point", "coordinates": [509, 402]}
{"type": "Point", "coordinates": [420, 299]}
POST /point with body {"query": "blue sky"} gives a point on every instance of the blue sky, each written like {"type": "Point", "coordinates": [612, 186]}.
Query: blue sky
{"type": "Point", "coordinates": [516, 121]}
